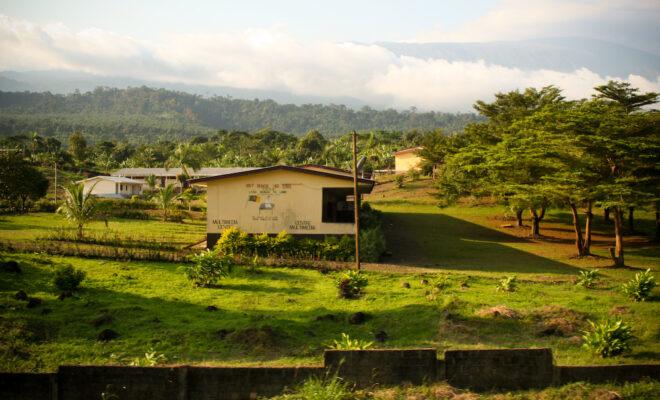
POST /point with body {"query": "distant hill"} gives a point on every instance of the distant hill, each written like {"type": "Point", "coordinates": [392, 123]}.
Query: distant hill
{"type": "Point", "coordinates": [144, 114]}
{"type": "Point", "coordinates": [557, 54]}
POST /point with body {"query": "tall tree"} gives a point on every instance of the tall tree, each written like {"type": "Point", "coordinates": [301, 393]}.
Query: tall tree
{"type": "Point", "coordinates": [165, 197]}
{"type": "Point", "coordinates": [78, 147]}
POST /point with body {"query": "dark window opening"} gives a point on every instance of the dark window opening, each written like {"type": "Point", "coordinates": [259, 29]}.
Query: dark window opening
{"type": "Point", "coordinates": [336, 207]}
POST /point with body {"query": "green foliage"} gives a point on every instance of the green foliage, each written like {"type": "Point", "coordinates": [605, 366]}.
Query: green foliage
{"type": "Point", "coordinates": [351, 284]}
{"type": "Point", "coordinates": [165, 114]}
{"type": "Point", "coordinates": [208, 268]}
{"type": "Point", "coordinates": [508, 284]}
{"type": "Point", "coordinates": [587, 279]}
{"type": "Point", "coordinates": [151, 359]}
{"type": "Point", "coordinates": [318, 388]}
{"type": "Point", "coordinates": [68, 278]}
{"type": "Point", "coordinates": [80, 206]}
{"type": "Point", "coordinates": [165, 197]}
{"type": "Point", "coordinates": [372, 244]}
{"type": "Point", "coordinates": [608, 338]}
{"type": "Point", "coordinates": [233, 241]}
{"type": "Point", "coordinates": [20, 181]}
{"type": "Point", "coordinates": [399, 180]}
{"type": "Point", "coordinates": [413, 174]}
{"type": "Point", "coordinates": [640, 287]}
{"type": "Point", "coordinates": [346, 343]}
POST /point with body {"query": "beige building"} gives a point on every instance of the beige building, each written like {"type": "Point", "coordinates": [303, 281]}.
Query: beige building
{"type": "Point", "coordinates": [303, 201]}
{"type": "Point", "coordinates": [407, 159]}
{"type": "Point", "coordinates": [112, 186]}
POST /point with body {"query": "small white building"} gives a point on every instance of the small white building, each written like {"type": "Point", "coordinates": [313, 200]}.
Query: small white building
{"type": "Point", "coordinates": [165, 176]}
{"type": "Point", "coordinates": [112, 186]}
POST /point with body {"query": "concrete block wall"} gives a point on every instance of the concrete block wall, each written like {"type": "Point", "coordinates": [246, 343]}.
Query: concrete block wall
{"type": "Point", "coordinates": [368, 367]}
{"type": "Point", "coordinates": [474, 369]}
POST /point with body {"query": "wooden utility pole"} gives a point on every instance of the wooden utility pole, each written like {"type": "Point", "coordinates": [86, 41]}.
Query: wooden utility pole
{"type": "Point", "coordinates": [356, 203]}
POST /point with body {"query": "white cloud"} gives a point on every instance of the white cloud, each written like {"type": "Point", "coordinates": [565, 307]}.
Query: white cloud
{"type": "Point", "coordinates": [273, 59]}
{"type": "Point", "coordinates": [617, 20]}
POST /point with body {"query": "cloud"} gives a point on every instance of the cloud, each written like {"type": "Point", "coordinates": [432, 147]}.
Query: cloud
{"type": "Point", "coordinates": [621, 21]}
{"type": "Point", "coordinates": [274, 60]}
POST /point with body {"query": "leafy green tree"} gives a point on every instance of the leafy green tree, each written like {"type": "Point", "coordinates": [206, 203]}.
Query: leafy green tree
{"type": "Point", "coordinates": [20, 181]}
{"type": "Point", "coordinates": [628, 97]}
{"type": "Point", "coordinates": [80, 206]}
{"type": "Point", "coordinates": [78, 147]}
{"type": "Point", "coordinates": [165, 198]}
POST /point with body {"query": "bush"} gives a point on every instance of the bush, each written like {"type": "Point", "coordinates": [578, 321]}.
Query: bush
{"type": "Point", "coordinates": [369, 217]}
{"type": "Point", "coordinates": [44, 205]}
{"type": "Point", "coordinates": [640, 287]}
{"type": "Point", "coordinates": [178, 216]}
{"type": "Point", "coordinates": [372, 244]}
{"type": "Point", "coordinates": [609, 338]}
{"type": "Point", "coordinates": [586, 279]}
{"type": "Point", "coordinates": [346, 343]}
{"type": "Point", "coordinates": [413, 174]}
{"type": "Point", "coordinates": [233, 241]}
{"type": "Point", "coordinates": [507, 284]}
{"type": "Point", "coordinates": [398, 180]}
{"type": "Point", "coordinates": [351, 284]}
{"type": "Point", "coordinates": [68, 278]}
{"type": "Point", "coordinates": [317, 388]}
{"type": "Point", "coordinates": [207, 268]}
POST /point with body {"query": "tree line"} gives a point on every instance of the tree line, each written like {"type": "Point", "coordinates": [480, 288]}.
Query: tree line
{"type": "Point", "coordinates": [145, 115]}
{"type": "Point", "coordinates": [537, 150]}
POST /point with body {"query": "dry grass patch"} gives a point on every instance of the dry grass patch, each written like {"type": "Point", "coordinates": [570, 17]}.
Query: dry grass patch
{"type": "Point", "coordinates": [558, 321]}
{"type": "Point", "coordinates": [500, 311]}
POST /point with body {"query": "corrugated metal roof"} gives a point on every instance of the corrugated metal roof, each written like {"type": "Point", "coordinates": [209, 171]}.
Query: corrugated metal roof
{"type": "Point", "coordinates": [116, 179]}
{"type": "Point", "coordinates": [173, 172]}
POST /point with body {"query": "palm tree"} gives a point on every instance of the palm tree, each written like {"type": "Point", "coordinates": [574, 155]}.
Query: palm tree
{"type": "Point", "coordinates": [165, 198]}
{"type": "Point", "coordinates": [79, 206]}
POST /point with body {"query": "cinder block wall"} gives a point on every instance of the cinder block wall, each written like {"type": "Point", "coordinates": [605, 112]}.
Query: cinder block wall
{"type": "Point", "coordinates": [474, 369]}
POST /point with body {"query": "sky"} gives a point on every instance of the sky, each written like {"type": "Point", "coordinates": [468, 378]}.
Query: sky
{"type": "Point", "coordinates": [317, 48]}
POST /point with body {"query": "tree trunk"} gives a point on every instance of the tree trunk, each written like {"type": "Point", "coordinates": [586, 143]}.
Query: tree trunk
{"type": "Point", "coordinates": [631, 219]}
{"type": "Point", "coordinates": [536, 229]}
{"type": "Point", "coordinates": [606, 215]}
{"type": "Point", "coordinates": [617, 251]}
{"type": "Point", "coordinates": [519, 219]}
{"type": "Point", "coordinates": [542, 215]}
{"type": "Point", "coordinates": [579, 241]}
{"type": "Point", "coordinates": [80, 231]}
{"type": "Point", "coordinates": [586, 246]}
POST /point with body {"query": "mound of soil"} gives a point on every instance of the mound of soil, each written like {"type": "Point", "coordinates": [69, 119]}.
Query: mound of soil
{"type": "Point", "coordinates": [33, 302]}
{"type": "Point", "coordinates": [558, 321]}
{"type": "Point", "coordinates": [256, 339]}
{"type": "Point", "coordinates": [357, 318]}
{"type": "Point", "coordinates": [10, 266]}
{"type": "Point", "coordinates": [102, 319]}
{"type": "Point", "coordinates": [380, 336]}
{"type": "Point", "coordinates": [21, 295]}
{"type": "Point", "coordinates": [106, 335]}
{"type": "Point", "coordinates": [327, 317]}
{"type": "Point", "coordinates": [498, 312]}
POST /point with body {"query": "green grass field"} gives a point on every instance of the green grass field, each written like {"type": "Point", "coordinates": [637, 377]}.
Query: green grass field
{"type": "Point", "coordinates": [279, 316]}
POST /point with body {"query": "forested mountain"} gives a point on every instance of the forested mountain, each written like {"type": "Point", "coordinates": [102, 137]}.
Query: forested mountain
{"type": "Point", "coordinates": [144, 114]}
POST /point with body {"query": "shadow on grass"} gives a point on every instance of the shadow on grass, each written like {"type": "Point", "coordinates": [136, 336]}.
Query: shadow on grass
{"type": "Point", "coordinates": [438, 240]}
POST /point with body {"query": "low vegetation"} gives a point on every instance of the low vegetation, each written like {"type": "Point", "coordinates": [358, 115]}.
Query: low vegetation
{"type": "Point", "coordinates": [640, 287]}
{"type": "Point", "coordinates": [608, 338]}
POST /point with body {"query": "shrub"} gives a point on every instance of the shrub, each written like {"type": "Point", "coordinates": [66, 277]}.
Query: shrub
{"type": "Point", "coordinates": [507, 284]}
{"type": "Point", "coordinates": [68, 278]}
{"type": "Point", "coordinates": [609, 338]}
{"type": "Point", "coordinates": [640, 287]}
{"type": "Point", "coordinates": [346, 343]}
{"type": "Point", "coordinates": [207, 268]}
{"type": "Point", "coordinates": [413, 174]}
{"type": "Point", "coordinates": [232, 241]}
{"type": "Point", "coordinates": [318, 388]}
{"type": "Point", "coordinates": [398, 180]}
{"type": "Point", "coordinates": [372, 244]}
{"type": "Point", "coordinates": [44, 205]}
{"type": "Point", "coordinates": [586, 279]}
{"type": "Point", "coordinates": [351, 284]}
{"type": "Point", "coordinates": [369, 217]}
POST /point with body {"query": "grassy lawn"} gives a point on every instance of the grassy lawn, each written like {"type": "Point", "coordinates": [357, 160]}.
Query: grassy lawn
{"type": "Point", "coordinates": [270, 317]}
{"type": "Point", "coordinates": [40, 225]}
{"type": "Point", "coordinates": [280, 316]}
